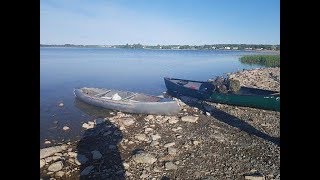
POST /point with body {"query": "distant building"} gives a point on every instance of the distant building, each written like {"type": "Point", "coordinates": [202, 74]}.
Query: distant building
{"type": "Point", "coordinates": [227, 47]}
{"type": "Point", "coordinates": [235, 48]}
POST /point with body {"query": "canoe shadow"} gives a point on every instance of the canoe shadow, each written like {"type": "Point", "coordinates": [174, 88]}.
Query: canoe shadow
{"type": "Point", "coordinates": [99, 146]}
{"type": "Point", "coordinates": [228, 118]}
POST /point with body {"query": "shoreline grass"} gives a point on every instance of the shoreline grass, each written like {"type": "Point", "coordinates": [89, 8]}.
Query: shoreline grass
{"type": "Point", "coordinates": [265, 60]}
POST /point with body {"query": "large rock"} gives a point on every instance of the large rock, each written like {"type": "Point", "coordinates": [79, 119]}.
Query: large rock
{"type": "Point", "coordinates": [86, 171]}
{"type": "Point", "coordinates": [96, 154]}
{"type": "Point", "coordinates": [60, 173]}
{"type": "Point", "coordinates": [57, 166]}
{"type": "Point", "coordinates": [42, 163]}
{"type": "Point", "coordinates": [191, 119]}
{"type": "Point", "coordinates": [81, 159]}
{"type": "Point", "coordinates": [144, 158]}
{"type": "Point", "coordinates": [46, 152]}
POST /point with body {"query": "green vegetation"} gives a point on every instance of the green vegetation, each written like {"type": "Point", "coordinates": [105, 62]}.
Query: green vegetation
{"type": "Point", "coordinates": [265, 60]}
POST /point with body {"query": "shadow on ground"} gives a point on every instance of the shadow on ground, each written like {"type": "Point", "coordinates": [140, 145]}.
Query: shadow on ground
{"type": "Point", "coordinates": [98, 151]}
{"type": "Point", "coordinates": [228, 119]}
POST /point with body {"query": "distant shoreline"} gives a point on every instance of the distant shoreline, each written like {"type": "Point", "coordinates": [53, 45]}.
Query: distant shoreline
{"type": "Point", "coordinates": [253, 50]}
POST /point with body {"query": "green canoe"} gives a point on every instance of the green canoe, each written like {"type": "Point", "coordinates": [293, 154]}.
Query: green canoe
{"type": "Point", "coordinates": [249, 97]}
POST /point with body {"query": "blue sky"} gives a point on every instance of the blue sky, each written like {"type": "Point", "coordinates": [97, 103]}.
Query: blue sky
{"type": "Point", "coordinates": [193, 22]}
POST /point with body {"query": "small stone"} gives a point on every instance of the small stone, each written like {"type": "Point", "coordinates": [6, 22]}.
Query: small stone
{"type": "Point", "coordinates": [128, 121]}
{"type": "Point", "coordinates": [128, 173]}
{"type": "Point", "coordinates": [173, 120]}
{"type": "Point", "coordinates": [155, 137]}
{"type": "Point", "coordinates": [185, 110]}
{"type": "Point", "coordinates": [61, 104]}
{"type": "Point", "coordinates": [57, 166]}
{"type": "Point", "coordinates": [42, 163]}
{"type": "Point", "coordinates": [170, 166]}
{"type": "Point", "coordinates": [149, 117]}
{"type": "Point", "coordinates": [141, 137]}
{"type": "Point", "coordinates": [130, 142]}
{"type": "Point", "coordinates": [156, 169]}
{"type": "Point", "coordinates": [208, 114]}
{"type": "Point", "coordinates": [112, 113]}
{"type": "Point", "coordinates": [169, 144]}
{"type": "Point", "coordinates": [177, 129]}
{"type": "Point", "coordinates": [144, 158]}
{"type": "Point", "coordinates": [196, 143]}
{"type": "Point", "coordinates": [144, 175]}
{"type": "Point", "coordinates": [60, 173]}
{"type": "Point", "coordinates": [96, 154]}
{"type": "Point", "coordinates": [154, 143]}
{"type": "Point", "coordinates": [172, 151]}
{"type": "Point", "coordinates": [65, 128]}
{"type": "Point", "coordinates": [87, 126]}
{"type": "Point", "coordinates": [147, 130]}
{"type": "Point", "coordinates": [47, 142]}
{"type": "Point", "coordinates": [126, 165]}
{"type": "Point", "coordinates": [191, 119]}
{"type": "Point", "coordinates": [254, 177]}
{"type": "Point", "coordinates": [179, 136]}
{"type": "Point", "coordinates": [54, 158]}
{"type": "Point", "coordinates": [86, 171]}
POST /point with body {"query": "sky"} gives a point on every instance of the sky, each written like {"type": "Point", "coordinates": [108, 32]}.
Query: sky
{"type": "Point", "coordinates": [164, 22]}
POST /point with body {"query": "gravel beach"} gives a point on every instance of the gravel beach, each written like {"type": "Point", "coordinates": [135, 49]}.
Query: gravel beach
{"type": "Point", "coordinates": [204, 141]}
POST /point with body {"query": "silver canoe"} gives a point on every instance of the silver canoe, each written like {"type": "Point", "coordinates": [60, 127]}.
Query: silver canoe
{"type": "Point", "coordinates": [127, 101]}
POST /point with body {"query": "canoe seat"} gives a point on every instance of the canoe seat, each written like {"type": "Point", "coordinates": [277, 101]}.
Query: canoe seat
{"type": "Point", "coordinates": [102, 94]}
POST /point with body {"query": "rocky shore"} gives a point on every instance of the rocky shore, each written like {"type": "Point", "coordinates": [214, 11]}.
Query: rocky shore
{"type": "Point", "coordinates": [204, 141]}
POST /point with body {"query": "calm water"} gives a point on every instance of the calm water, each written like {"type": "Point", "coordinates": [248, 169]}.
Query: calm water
{"type": "Point", "coordinates": [62, 69]}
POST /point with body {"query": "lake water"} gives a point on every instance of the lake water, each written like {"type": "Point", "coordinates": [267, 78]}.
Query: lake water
{"type": "Point", "coordinates": [63, 69]}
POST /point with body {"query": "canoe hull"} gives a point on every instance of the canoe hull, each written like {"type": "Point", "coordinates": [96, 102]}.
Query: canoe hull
{"type": "Point", "coordinates": [157, 108]}
{"type": "Point", "coordinates": [267, 102]}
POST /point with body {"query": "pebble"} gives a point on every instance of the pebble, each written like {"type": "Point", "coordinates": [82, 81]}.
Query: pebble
{"type": "Point", "coordinates": [141, 137]}
{"type": "Point", "coordinates": [191, 119]}
{"type": "Point", "coordinates": [61, 104]}
{"type": "Point", "coordinates": [154, 143]}
{"type": "Point", "coordinates": [173, 120]}
{"type": "Point", "coordinates": [170, 166]}
{"type": "Point", "coordinates": [172, 151]}
{"type": "Point", "coordinates": [57, 166]}
{"type": "Point", "coordinates": [65, 128]}
{"type": "Point", "coordinates": [155, 137]}
{"type": "Point", "coordinates": [144, 158]}
{"type": "Point", "coordinates": [169, 144]}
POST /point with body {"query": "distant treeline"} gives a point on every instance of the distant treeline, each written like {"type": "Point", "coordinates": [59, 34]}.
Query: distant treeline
{"type": "Point", "coordinates": [192, 47]}
{"type": "Point", "coordinates": [265, 60]}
